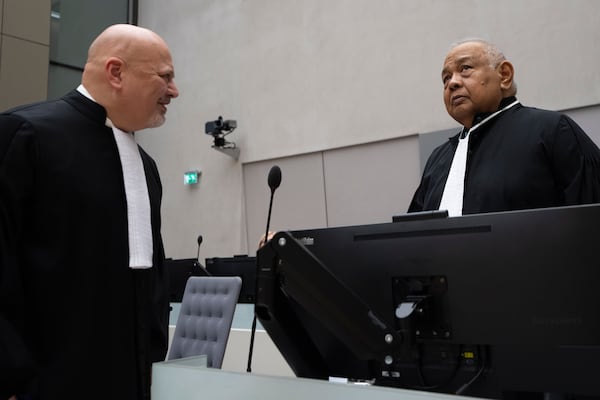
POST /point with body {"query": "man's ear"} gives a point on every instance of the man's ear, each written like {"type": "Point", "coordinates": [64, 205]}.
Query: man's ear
{"type": "Point", "coordinates": [507, 73]}
{"type": "Point", "coordinates": [113, 69]}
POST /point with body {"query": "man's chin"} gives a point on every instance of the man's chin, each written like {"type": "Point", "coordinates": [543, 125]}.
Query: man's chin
{"type": "Point", "coordinates": [463, 117]}
{"type": "Point", "coordinates": [156, 122]}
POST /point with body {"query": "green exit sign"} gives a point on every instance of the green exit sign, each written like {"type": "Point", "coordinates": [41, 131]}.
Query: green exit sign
{"type": "Point", "coordinates": [191, 177]}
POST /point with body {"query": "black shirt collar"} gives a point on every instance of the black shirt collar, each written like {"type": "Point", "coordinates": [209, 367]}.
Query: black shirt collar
{"type": "Point", "coordinates": [86, 106]}
{"type": "Point", "coordinates": [481, 116]}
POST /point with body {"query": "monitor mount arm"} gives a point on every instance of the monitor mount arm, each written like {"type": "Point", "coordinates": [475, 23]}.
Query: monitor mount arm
{"type": "Point", "coordinates": [311, 285]}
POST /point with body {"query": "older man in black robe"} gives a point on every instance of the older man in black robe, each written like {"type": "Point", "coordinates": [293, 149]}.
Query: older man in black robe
{"type": "Point", "coordinates": [512, 157]}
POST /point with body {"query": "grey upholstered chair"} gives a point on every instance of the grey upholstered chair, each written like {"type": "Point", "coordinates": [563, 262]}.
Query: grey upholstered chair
{"type": "Point", "coordinates": [205, 318]}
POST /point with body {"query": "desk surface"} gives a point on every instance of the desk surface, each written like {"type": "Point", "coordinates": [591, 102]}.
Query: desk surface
{"type": "Point", "coordinates": [190, 380]}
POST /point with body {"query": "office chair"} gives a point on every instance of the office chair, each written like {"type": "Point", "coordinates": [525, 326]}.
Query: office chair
{"type": "Point", "coordinates": [205, 318]}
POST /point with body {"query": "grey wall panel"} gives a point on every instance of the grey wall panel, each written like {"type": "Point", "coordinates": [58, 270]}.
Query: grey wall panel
{"type": "Point", "coordinates": [347, 186]}
{"type": "Point", "coordinates": [429, 141]}
{"type": "Point", "coordinates": [23, 72]}
{"type": "Point", "coordinates": [27, 19]}
{"type": "Point", "coordinates": [25, 26]}
{"type": "Point", "coordinates": [589, 119]}
{"type": "Point", "coordinates": [371, 183]}
{"type": "Point", "coordinates": [299, 202]}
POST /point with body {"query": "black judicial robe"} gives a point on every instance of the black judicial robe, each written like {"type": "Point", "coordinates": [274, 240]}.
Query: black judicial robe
{"type": "Point", "coordinates": [75, 320]}
{"type": "Point", "coordinates": [524, 158]}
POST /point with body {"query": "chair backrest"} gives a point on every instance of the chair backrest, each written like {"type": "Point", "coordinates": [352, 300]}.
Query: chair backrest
{"type": "Point", "coordinates": [205, 318]}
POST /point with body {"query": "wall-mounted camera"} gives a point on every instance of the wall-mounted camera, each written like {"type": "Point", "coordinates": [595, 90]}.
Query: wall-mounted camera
{"type": "Point", "coordinates": [218, 129]}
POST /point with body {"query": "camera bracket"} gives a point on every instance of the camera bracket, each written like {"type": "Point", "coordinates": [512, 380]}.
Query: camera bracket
{"type": "Point", "coordinates": [218, 129]}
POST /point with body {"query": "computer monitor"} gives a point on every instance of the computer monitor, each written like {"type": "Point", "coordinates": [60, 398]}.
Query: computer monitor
{"type": "Point", "coordinates": [239, 265]}
{"type": "Point", "coordinates": [180, 271]}
{"type": "Point", "coordinates": [478, 305]}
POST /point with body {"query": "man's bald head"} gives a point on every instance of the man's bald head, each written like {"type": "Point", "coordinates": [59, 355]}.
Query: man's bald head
{"type": "Point", "coordinates": [122, 40]}
{"type": "Point", "coordinates": [130, 73]}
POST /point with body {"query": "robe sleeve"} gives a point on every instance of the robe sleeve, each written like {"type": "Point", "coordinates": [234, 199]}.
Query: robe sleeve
{"type": "Point", "coordinates": [576, 164]}
{"type": "Point", "coordinates": [428, 195]}
{"type": "Point", "coordinates": [159, 321]}
{"type": "Point", "coordinates": [17, 367]}
{"type": "Point", "coordinates": [418, 202]}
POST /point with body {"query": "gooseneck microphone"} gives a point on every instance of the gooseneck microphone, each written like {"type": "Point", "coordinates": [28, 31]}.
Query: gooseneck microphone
{"type": "Point", "coordinates": [274, 180]}
{"type": "Point", "coordinates": [199, 243]}
{"type": "Point", "coordinates": [198, 257]}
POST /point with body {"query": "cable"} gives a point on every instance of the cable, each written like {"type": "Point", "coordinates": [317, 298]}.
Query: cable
{"type": "Point", "coordinates": [464, 387]}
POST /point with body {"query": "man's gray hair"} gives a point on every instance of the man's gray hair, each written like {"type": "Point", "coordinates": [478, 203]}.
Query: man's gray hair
{"type": "Point", "coordinates": [493, 52]}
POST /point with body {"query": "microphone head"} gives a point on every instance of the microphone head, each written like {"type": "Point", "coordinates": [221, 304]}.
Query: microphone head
{"type": "Point", "coordinates": [199, 240]}
{"type": "Point", "coordinates": [274, 177]}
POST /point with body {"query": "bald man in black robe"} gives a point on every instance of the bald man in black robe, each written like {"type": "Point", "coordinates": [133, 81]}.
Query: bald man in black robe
{"type": "Point", "coordinates": [83, 293]}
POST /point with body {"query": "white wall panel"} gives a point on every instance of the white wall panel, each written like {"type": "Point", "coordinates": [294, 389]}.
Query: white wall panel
{"type": "Point", "coordinates": [299, 203]}
{"type": "Point", "coordinates": [371, 183]}
{"type": "Point", "coordinates": [312, 76]}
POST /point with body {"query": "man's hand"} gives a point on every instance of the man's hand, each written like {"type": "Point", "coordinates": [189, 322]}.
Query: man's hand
{"type": "Point", "coordinates": [262, 240]}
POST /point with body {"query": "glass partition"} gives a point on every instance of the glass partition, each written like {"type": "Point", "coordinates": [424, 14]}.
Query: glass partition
{"type": "Point", "coordinates": [73, 26]}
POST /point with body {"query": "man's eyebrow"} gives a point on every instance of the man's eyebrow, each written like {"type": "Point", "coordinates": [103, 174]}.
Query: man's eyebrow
{"type": "Point", "coordinates": [457, 61]}
{"type": "Point", "coordinates": [462, 59]}
{"type": "Point", "coordinates": [168, 71]}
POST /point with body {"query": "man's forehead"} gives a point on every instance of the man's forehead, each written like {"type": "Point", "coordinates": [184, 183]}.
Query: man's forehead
{"type": "Point", "coordinates": [468, 52]}
{"type": "Point", "coordinates": [459, 59]}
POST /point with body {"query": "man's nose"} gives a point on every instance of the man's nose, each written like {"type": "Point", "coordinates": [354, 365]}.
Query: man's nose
{"type": "Point", "coordinates": [173, 91]}
{"type": "Point", "coordinates": [455, 81]}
